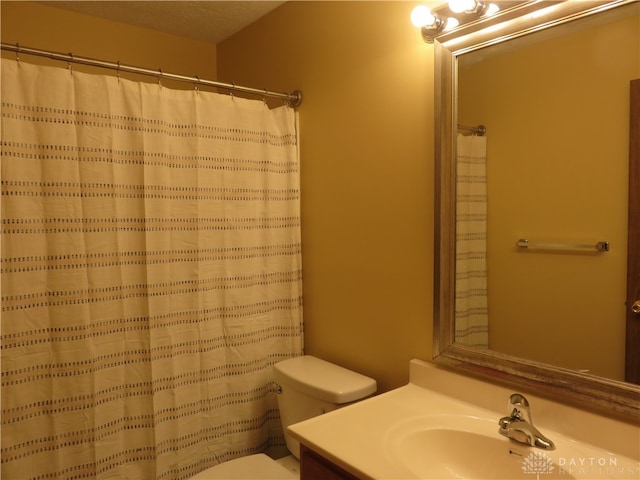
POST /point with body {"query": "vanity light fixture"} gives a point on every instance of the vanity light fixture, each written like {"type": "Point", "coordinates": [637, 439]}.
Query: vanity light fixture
{"type": "Point", "coordinates": [477, 7]}
{"type": "Point", "coordinates": [423, 18]}
{"type": "Point", "coordinates": [449, 16]}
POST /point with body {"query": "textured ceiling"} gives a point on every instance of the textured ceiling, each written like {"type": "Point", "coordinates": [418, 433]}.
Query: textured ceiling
{"type": "Point", "coordinates": [205, 20]}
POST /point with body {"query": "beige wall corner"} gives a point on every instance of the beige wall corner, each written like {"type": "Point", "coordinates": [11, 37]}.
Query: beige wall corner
{"type": "Point", "coordinates": [367, 172]}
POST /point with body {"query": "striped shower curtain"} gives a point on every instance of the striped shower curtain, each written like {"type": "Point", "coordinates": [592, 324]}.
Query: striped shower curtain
{"type": "Point", "coordinates": [151, 275]}
{"type": "Point", "coordinates": [471, 303]}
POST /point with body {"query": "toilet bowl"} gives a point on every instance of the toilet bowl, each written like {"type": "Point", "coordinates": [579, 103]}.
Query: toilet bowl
{"type": "Point", "coordinates": [308, 386]}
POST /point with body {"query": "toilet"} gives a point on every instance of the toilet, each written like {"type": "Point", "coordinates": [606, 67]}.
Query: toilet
{"type": "Point", "coordinates": [308, 386]}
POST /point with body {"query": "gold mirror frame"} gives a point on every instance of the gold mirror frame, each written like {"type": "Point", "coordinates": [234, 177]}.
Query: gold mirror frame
{"type": "Point", "coordinates": [584, 390]}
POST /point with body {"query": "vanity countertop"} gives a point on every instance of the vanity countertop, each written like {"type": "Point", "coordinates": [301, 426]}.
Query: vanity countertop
{"type": "Point", "coordinates": [360, 437]}
{"type": "Point", "coordinates": [354, 437]}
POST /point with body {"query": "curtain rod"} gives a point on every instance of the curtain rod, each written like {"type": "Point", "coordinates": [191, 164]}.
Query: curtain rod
{"type": "Point", "coordinates": [292, 99]}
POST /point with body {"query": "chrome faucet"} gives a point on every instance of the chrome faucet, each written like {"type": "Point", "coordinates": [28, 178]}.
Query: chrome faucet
{"type": "Point", "coordinates": [518, 424]}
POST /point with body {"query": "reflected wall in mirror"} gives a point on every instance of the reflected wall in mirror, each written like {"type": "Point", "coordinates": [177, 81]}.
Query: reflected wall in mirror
{"type": "Point", "coordinates": [543, 106]}
{"type": "Point", "coordinates": [556, 107]}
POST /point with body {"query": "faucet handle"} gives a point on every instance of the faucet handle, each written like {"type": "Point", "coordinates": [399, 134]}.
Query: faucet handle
{"type": "Point", "coordinates": [519, 407]}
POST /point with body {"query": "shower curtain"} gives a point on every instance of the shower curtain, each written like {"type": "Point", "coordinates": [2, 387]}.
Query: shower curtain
{"type": "Point", "coordinates": [471, 304]}
{"type": "Point", "coordinates": [151, 275]}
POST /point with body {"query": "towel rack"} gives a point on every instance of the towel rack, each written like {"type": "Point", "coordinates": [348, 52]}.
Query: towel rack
{"type": "Point", "coordinates": [478, 130]}
{"type": "Point", "coordinates": [599, 246]}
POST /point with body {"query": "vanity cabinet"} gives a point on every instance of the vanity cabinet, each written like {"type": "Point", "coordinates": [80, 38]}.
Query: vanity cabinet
{"type": "Point", "coordinates": [314, 466]}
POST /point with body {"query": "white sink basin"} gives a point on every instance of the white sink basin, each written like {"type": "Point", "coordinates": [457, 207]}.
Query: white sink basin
{"type": "Point", "coordinates": [468, 447]}
{"type": "Point", "coordinates": [453, 446]}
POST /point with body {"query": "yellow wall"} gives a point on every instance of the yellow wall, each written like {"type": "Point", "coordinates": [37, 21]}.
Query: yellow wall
{"type": "Point", "coordinates": [49, 28]}
{"type": "Point", "coordinates": [366, 146]}
{"type": "Point", "coordinates": [367, 172]}
{"type": "Point", "coordinates": [557, 171]}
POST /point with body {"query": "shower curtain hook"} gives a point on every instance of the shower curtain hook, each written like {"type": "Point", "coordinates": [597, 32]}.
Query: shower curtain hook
{"type": "Point", "coordinates": [69, 62]}
{"type": "Point", "coordinates": [160, 78]}
{"type": "Point", "coordinates": [196, 85]}
{"type": "Point", "coordinates": [118, 71]}
{"type": "Point", "coordinates": [18, 53]}
{"type": "Point", "coordinates": [233, 86]}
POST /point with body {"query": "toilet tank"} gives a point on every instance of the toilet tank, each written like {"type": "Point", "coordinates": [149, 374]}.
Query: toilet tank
{"type": "Point", "coordinates": [310, 386]}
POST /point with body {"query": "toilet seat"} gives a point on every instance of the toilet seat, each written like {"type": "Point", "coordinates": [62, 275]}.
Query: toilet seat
{"type": "Point", "coordinates": [251, 467]}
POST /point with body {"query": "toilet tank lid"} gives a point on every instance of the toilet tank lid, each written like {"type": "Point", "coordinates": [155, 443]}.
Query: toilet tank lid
{"type": "Point", "coordinates": [323, 380]}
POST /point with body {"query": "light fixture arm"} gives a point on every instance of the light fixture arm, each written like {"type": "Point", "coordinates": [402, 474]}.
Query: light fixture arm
{"type": "Point", "coordinates": [480, 8]}
{"type": "Point", "coordinates": [429, 32]}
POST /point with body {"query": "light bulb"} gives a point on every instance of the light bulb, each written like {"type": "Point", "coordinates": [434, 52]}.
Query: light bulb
{"type": "Point", "coordinates": [421, 16]}
{"type": "Point", "coordinates": [491, 9]}
{"type": "Point", "coordinates": [451, 24]}
{"type": "Point", "coordinates": [459, 6]}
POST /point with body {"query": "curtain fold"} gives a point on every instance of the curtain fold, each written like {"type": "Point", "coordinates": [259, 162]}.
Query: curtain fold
{"type": "Point", "coordinates": [151, 275]}
{"type": "Point", "coordinates": [471, 303]}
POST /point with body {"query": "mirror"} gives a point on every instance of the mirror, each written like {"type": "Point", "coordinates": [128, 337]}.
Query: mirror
{"type": "Point", "coordinates": [556, 103]}
{"type": "Point", "coordinates": [459, 87]}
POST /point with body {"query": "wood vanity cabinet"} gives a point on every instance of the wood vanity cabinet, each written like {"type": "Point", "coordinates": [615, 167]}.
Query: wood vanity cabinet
{"type": "Point", "coordinates": [314, 466]}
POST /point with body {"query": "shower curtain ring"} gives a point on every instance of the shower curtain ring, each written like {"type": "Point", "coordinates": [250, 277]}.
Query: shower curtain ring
{"type": "Point", "coordinates": [160, 78]}
{"type": "Point", "coordinates": [118, 71]}
{"type": "Point", "coordinates": [69, 62]}
{"type": "Point", "coordinates": [197, 84]}
{"type": "Point", "coordinates": [18, 52]}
